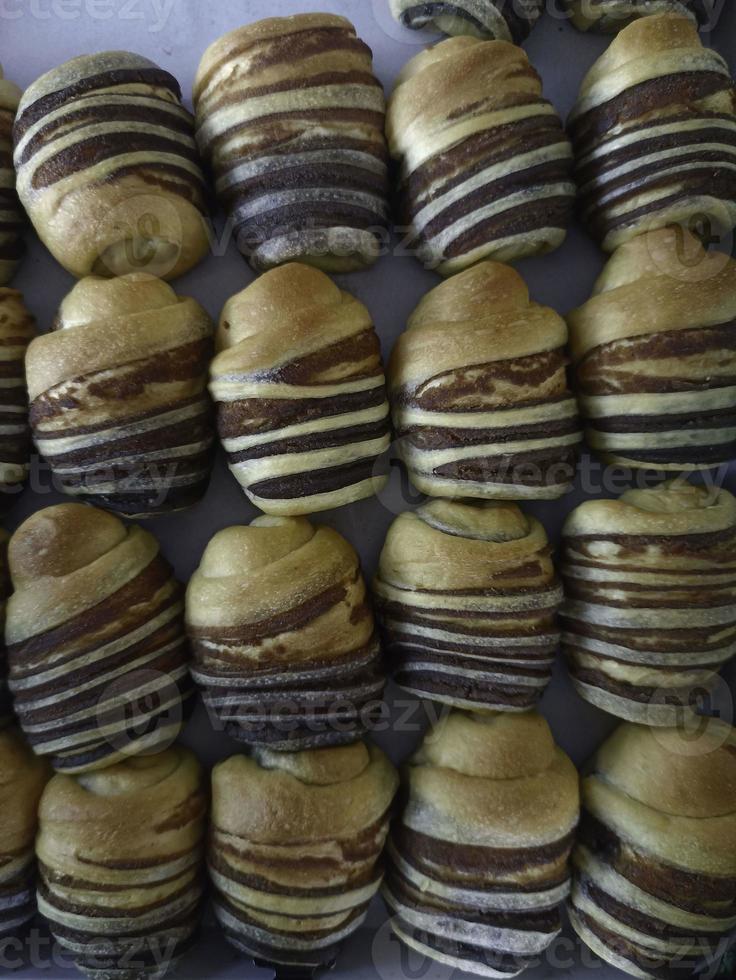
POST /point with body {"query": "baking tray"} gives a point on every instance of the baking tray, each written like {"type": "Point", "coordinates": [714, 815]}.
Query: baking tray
{"type": "Point", "coordinates": [36, 35]}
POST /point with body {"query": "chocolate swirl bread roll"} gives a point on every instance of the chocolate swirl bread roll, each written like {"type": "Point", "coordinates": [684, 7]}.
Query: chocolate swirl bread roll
{"type": "Point", "coordinates": [294, 848]}
{"type": "Point", "coordinates": [654, 134]}
{"type": "Point", "coordinates": [22, 779]}
{"type": "Point", "coordinates": [654, 885]}
{"type": "Point", "coordinates": [650, 614]}
{"type": "Point", "coordinates": [467, 599]}
{"type": "Point", "coordinates": [17, 328]}
{"type": "Point", "coordinates": [610, 16]}
{"type": "Point", "coordinates": [484, 163]}
{"type": "Point", "coordinates": [95, 638]}
{"type": "Point", "coordinates": [478, 862]}
{"type": "Point", "coordinates": [119, 404]}
{"type": "Point", "coordinates": [11, 213]}
{"type": "Point", "coordinates": [300, 393]}
{"type": "Point", "coordinates": [655, 355]}
{"type": "Point", "coordinates": [290, 118]}
{"type": "Point", "coordinates": [500, 20]}
{"type": "Point", "coordinates": [6, 709]}
{"type": "Point", "coordinates": [108, 169]}
{"type": "Point", "coordinates": [282, 634]}
{"type": "Point", "coordinates": [121, 864]}
{"type": "Point", "coordinates": [479, 393]}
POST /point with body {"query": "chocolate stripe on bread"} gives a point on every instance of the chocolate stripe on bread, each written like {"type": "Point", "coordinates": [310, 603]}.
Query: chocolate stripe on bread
{"type": "Point", "coordinates": [17, 328]}
{"type": "Point", "coordinates": [653, 131]}
{"type": "Point", "coordinates": [303, 425]}
{"type": "Point", "coordinates": [12, 218]}
{"type": "Point", "coordinates": [478, 863]}
{"type": "Point", "coordinates": [106, 136]}
{"type": "Point", "coordinates": [655, 355]}
{"type": "Point", "coordinates": [295, 868]}
{"type": "Point", "coordinates": [120, 856]}
{"type": "Point", "coordinates": [284, 645]}
{"type": "Point", "coordinates": [501, 20]}
{"type": "Point", "coordinates": [119, 404]}
{"type": "Point", "coordinates": [467, 600]}
{"type": "Point", "coordinates": [479, 394]}
{"type": "Point", "coordinates": [484, 164]}
{"type": "Point", "coordinates": [290, 118]}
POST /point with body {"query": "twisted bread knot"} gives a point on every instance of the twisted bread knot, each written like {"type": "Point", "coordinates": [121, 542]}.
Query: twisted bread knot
{"type": "Point", "coordinates": [655, 864]}
{"type": "Point", "coordinates": [12, 218]}
{"type": "Point", "coordinates": [479, 394]}
{"type": "Point", "coordinates": [22, 779]}
{"type": "Point", "coordinates": [95, 633]}
{"type": "Point", "coordinates": [300, 393]}
{"type": "Point", "coordinates": [649, 615]}
{"type": "Point", "coordinates": [484, 161]}
{"type": "Point", "coordinates": [17, 328]}
{"type": "Point", "coordinates": [655, 357]}
{"type": "Point", "coordinates": [108, 169]}
{"type": "Point", "coordinates": [290, 117]}
{"type": "Point", "coordinates": [467, 598]}
{"type": "Point", "coordinates": [282, 634]}
{"type": "Point", "coordinates": [118, 390]}
{"type": "Point", "coordinates": [478, 860]}
{"type": "Point", "coordinates": [653, 134]}
{"type": "Point", "coordinates": [499, 20]}
{"type": "Point", "coordinates": [295, 847]}
{"type": "Point", "coordinates": [121, 855]}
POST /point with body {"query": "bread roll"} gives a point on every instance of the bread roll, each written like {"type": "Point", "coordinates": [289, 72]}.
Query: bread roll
{"type": "Point", "coordinates": [478, 861]}
{"type": "Point", "coordinates": [108, 169]}
{"type": "Point", "coordinates": [6, 708]}
{"type": "Point", "coordinates": [300, 393]}
{"type": "Point", "coordinates": [294, 848]}
{"type": "Point", "coordinates": [655, 359]}
{"type": "Point", "coordinates": [290, 118]}
{"type": "Point", "coordinates": [610, 16]}
{"type": "Point", "coordinates": [650, 614]}
{"type": "Point", "coordinates": [17, 328]}
{"type": "Point", "coordinates": [467, 598]}
{"type": "Point", "coordinates": [121, 864]}
{"type": "Point", "coordinates": [479, 393]}
{"type": "Point", "coordinates": [119, 403]}
{"type": "Point", "coordinates": [95, 637]}
{"type": "Point", "coordinates": [483, 161]}
{"type": "Point", "coordinates": [22, 779]}
{"type": "Point", "coordinates": [654, 889]}
{"type": "Point", "coordinates": [11, 213]}
{"type": "Point", "coordinates": [653, 132]}
{"type": "Point", "coordinates": [501, 20]}
{"type": "Point", "coordinates": [284, 645]}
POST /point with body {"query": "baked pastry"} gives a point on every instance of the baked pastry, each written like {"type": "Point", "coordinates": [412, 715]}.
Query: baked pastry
{"type": "Point", "coordinates": [294, 848]}
{"type": "Point", "coordinates": [610, 16]}
{"type": "Point", "coordinates": [119, 404]}
{"type": "Point", "coordinates": [22, 779]}
{"type": "Point", "coordinates": [655, 356]}
{"type": "Point", "coordinates": [654, 880]}
{"type": "Point", "coordinates": [484, 163]}
{"type": "Point", "coordinates": [95, 638]}
{"type": "Point", "coordinates": [478, 861]}
{"type": "Point", "coordinates": [285, 650]}
{"type": "Point", "coordinates": [467, 598]}
{"type": "Point", "coordinates": [6, 709]}
{"type": "Point", "coordinates": [108, 169]}
{"type": "Point", "coordinates": [479, 394]}
{"type": "Point", "coordinates": [648, 617]}
{"type": "Point", "coordinates": [653, 134]}
{"type": "Point", "coordinates": [290, 118]}
{"type": "Point", "coordinates": [501, 20]}
{"type": "Point", "coordinates": [300, 393]}
{"type": "Point", "coordinates": [17, 328]}
{"type": "Point", "coordinates": [11, 213]}
{"type": "Point", "coordinates": [121, 864]}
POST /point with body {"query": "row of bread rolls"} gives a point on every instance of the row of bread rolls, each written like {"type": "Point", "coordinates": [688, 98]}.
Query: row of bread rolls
{"type": "Point", "coordinates": [293, 124]}
{"type": "Point", "coordinates": [477, 385]}
{"type": "Point", "coordinates": [477, 858]}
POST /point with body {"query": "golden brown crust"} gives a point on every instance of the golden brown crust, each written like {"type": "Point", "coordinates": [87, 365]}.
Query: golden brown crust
{"type": "Point", "coordinates": [12, 218]}
{"type": "Point", "coordinates": [96, 641]}
{"type": "Point", "coordinates": [611, 16]}
{"type": "Point", "coordinates": [300, 393]}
